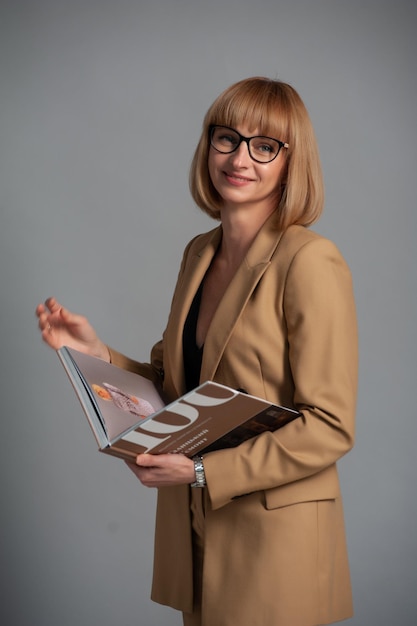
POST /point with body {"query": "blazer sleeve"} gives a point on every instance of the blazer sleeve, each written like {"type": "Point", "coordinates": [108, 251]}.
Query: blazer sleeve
{"type": "Point", "coordinates": [319, 310]}
{"type": "Point", "coordinates": [152, 371]}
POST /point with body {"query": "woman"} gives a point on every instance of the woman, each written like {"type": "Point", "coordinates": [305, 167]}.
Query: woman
{"type": "Point", "coordinates": [266, 305]}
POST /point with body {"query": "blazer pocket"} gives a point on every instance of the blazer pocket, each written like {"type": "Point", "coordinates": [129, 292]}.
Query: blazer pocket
{"type": "Point", "coordinates": [321, 486]}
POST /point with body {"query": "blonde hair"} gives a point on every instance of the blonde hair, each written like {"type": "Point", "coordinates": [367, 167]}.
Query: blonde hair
{"type": "Point", "coordinates": [275, 109]}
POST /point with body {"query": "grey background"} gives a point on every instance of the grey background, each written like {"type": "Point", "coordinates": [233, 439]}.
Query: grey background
{"type": "Point", "coordinates": [101, 105]}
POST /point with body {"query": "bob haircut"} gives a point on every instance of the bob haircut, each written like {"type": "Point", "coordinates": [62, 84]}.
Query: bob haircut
{"type": "Point", "coordinates": [272, 108]}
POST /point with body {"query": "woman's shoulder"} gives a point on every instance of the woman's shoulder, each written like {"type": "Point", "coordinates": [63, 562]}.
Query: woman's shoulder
{"type": "Point", "coordinates": [300, 235]}
{"type": "Point", "coordinates": [306, 251]}
{"type": "Point", "coordinates": [297, 238]}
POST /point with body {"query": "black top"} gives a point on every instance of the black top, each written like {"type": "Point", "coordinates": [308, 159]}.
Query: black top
{"type": "Point", "coordinates": [193, 355]}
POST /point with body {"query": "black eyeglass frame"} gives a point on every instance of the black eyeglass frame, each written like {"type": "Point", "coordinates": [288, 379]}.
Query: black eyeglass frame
{"type": "Point", "coordinates": [212, 128]}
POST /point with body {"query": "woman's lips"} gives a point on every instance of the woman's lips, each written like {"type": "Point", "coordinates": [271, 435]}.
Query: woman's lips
{"type": "Point", "coordinates": [237, 179]}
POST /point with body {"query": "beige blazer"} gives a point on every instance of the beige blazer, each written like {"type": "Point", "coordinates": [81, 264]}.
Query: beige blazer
{"type": "Point", "coordinates": [285, 330]}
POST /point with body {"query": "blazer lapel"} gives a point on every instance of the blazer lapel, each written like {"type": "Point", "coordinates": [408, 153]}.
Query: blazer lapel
{"type": "Point", "coordinates": [230, 308]}
{"type": "Point", "coordinates": [237, 295]}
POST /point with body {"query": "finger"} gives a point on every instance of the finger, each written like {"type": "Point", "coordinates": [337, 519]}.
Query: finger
{"type": "Point", "coordinates": [60, 317]}
{"type": "Point", "coordinates": [154, 460]}
{"type": "Point", "coordinates": [143, 474]}
{"type": "Point", "coordinates": [52, 304]}
{"type": "Point", "coordinates": [68, 318]}
{"type": "Point", "coordinates": [147, 460]}
{"type": "Point", "coordinates": [41, 318]}
{"type": "Point", "coordinates": [47, 326]}
{"type": "Point", "coordinates": [47, 337]}
{"type": "Point", "coordinates": [43, 322]}
{"type": "Point", "coordinates": [40, 309]}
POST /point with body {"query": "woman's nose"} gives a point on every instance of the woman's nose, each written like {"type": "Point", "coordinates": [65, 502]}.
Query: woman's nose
{"type": "Point", "coordinates": [241, 155]}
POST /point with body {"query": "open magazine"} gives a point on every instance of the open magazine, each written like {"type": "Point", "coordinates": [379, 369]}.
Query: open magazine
{"type": "Point", "coordinates": [128, 415]}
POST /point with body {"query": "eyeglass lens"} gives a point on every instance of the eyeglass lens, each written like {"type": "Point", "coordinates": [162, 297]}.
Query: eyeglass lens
{"type": "Point", "coordinates": [226, 140]}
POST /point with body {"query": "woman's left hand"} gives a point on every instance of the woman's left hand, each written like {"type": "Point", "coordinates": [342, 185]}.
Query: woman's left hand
{"type": "Point", "coordinates": [163, 470]}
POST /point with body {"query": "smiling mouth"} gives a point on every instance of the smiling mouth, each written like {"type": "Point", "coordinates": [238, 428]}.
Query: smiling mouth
{"type": "Point", "coordinates": [237, 177]}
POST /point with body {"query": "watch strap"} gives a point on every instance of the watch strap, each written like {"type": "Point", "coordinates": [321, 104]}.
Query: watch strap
{"type": "Point", "coordinates": [200, 476]}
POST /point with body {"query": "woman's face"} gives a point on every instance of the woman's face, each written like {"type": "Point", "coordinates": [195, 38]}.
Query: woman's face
{"type": "Point", "coordinates": [241, 181]}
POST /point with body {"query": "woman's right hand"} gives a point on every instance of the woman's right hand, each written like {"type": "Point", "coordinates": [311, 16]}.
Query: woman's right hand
{"type": "Point", "coordinates": [60, 327]}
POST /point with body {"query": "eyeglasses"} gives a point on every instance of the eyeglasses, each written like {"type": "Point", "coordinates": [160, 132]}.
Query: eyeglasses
{"type": "Point", "coordinates": [261, 149]}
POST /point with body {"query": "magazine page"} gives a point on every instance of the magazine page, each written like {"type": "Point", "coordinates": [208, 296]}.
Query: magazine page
{"type": "Point", "coordinates": [203, 416]}
{"type": "Point", "coordinates": [123, 398]}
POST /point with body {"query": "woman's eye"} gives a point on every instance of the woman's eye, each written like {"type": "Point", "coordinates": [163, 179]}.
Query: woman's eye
{"type": "Point", "coordinates": [227, 139]}
{"type": "Point", "coordinates": [265, 147]}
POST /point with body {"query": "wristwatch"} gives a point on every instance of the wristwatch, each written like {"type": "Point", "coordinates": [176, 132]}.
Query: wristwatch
{"type": "Point", "coordinates": [200, 477]}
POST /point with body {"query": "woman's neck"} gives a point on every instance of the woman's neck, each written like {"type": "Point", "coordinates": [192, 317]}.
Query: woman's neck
{"type": "Point", "coordinates": [239, 231]}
